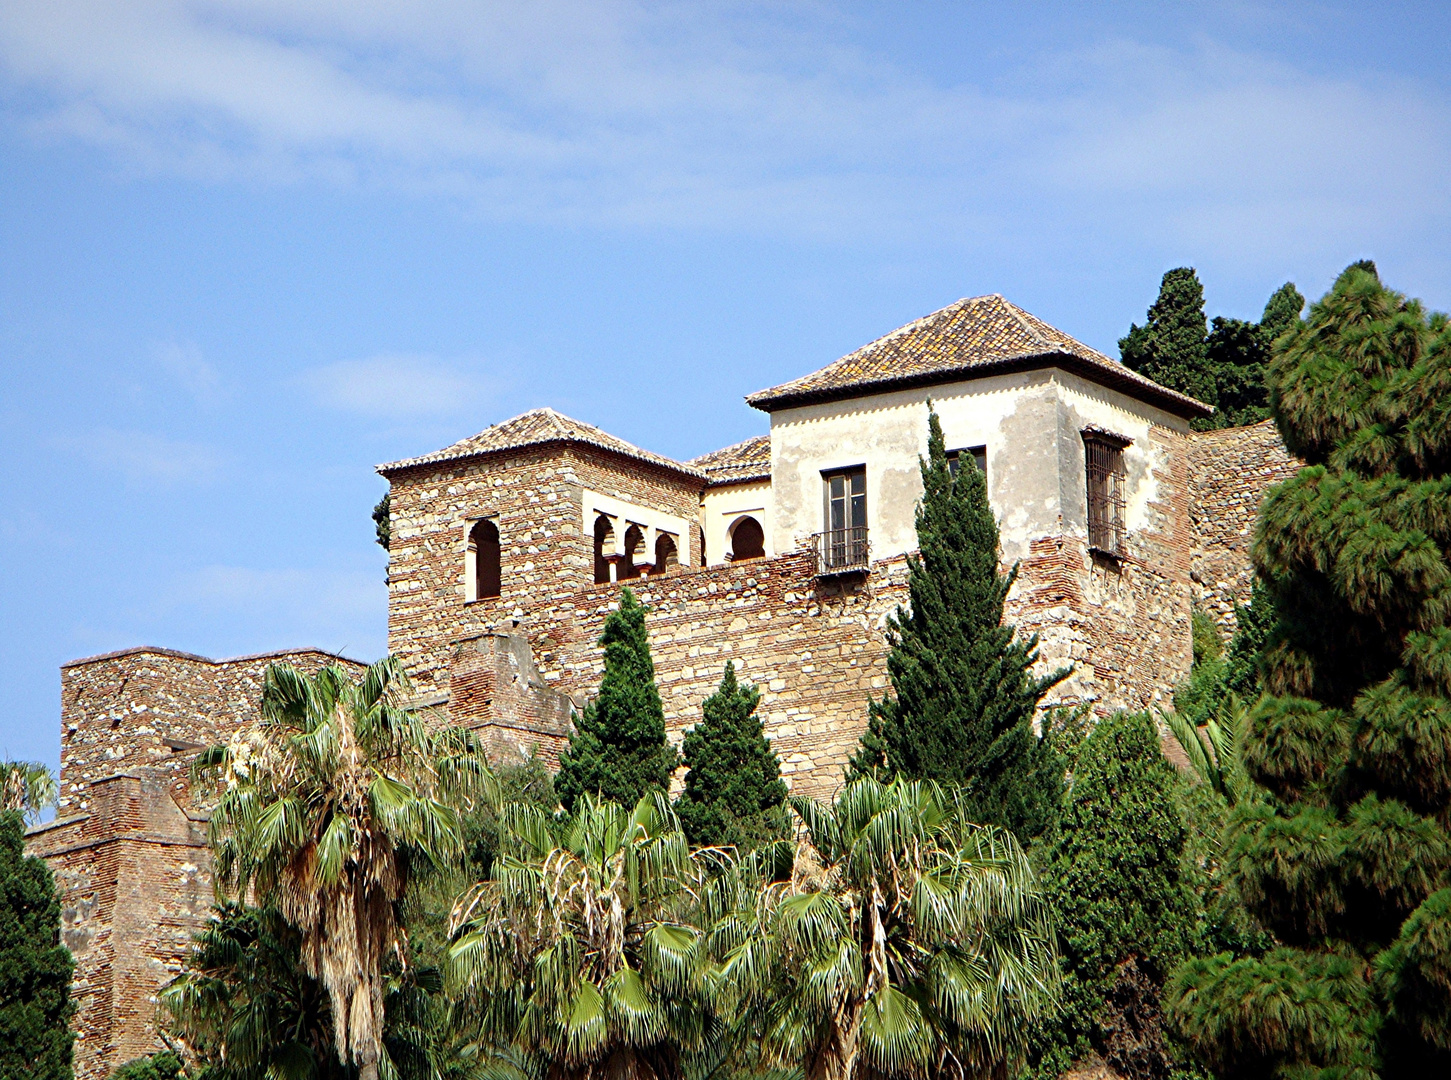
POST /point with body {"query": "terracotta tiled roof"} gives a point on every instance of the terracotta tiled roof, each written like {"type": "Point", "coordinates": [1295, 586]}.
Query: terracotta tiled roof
{"type": "Point", "coordinates": [981, 335]}
{"type": "Point", "coordinates": [749, 460]}
{"type": "Point", "coordinates": [534, 428]}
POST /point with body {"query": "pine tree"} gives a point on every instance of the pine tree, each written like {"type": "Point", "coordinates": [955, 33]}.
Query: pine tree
{"type": "Point", "coordinates": [35, 968]}
{"type": "Point", "coordinates": [1126, 913]}
{"type": "Point", "coordinates": [618, 749]}
{"type": "Point", "coordinates": [1170, 347]}
{"type": "Point", "coordinates": [1344, 852]}
{"type": "Point", "coordinates": [963, 699]}
{"type": "Point", "coordinates": [733, 791]}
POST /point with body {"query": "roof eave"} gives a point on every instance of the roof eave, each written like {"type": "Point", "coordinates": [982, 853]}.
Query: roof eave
{"type": "Point", "coordinates": [1180, 405]}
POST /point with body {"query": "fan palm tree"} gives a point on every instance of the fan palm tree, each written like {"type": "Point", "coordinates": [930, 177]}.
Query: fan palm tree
{"type": "Point", "coordinates": [584, 949]}
{"type": "Point", "coordinates": [27, 787]}
{"type": "Point", "coordinates": [901, 941]}
{"type": "Point", "coordinates": [1214, 752]}
{"type": "Point", "coordinates": [324, 804]}
{"type": "Point", "coordinates": [244, 1008]}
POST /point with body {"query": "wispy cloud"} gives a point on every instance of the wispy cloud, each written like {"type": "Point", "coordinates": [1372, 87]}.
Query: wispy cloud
{"type": "Point", "coordinates": [399, 387]}
{"type": "Point", "coordinates": [744, 116]}
{"type": "Point", "coordinates": [143, 457]}
{"type": "Point", "coordinates": [184, 363]}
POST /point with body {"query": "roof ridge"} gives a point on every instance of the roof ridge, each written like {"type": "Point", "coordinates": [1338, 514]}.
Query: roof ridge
{"type": "Point", "coordinates": [1018, 314]}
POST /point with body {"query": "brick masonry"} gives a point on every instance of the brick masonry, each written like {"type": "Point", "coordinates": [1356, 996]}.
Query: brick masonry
{"type": "Point", "coordinates": [129, 850]}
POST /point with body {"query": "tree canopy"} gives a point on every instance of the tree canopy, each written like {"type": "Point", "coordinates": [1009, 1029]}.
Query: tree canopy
{"type": "Point", "coordinates": [35, 968]}
{"type": "Point", "coordinates": [1222, 364]}
{"type": "Point", "coordinates": [733, 793]}
{"type": "Point", "coordinates": [1342, 849]}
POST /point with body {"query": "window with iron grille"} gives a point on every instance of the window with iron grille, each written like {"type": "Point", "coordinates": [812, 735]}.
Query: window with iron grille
{"type": "Point", "coordinates": [1105, 462]}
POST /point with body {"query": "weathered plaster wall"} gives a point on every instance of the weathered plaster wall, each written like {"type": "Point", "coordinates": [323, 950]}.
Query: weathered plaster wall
{"type": "Point", "coordinates": [1031, 424]}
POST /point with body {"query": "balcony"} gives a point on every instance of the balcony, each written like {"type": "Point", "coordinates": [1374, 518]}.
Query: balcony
{"type": "Point", "coordinates": [841, 551]}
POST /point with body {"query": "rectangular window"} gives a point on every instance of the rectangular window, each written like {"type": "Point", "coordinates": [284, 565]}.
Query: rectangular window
{"type": "Point", "coordinates": [845, 540]}
{"type": "Point", "coordinates": [1105, 468]}
{"type": "Point", "coordinates": [976, 454]}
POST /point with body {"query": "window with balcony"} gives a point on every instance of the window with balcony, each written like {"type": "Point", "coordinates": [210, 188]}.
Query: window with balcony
{"type": "Point", "coordinates": [842, 545]}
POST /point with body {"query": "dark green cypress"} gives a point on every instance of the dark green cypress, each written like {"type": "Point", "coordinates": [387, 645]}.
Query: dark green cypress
{"type": "Point", "coordinates": [1126, 913]}
{"type": "Point", "coordinates": [1282, 312]}
{"type": "Point", "coordinates": [961, 711]}
{"type": "Point", "coordinates": [1343, 849]}
{"type": "Point", "coordinates": [733, 789]}
{"type": "Point", "coordinates": [1170, 347]}
{"type": "Point", "coordinates": [618, 749]}
{"type": "Point", "coordinates": [35, 968]}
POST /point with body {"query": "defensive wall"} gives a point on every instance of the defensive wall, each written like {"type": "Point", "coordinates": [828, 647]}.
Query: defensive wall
{"type": "Point", "coordinates": [128, 848]}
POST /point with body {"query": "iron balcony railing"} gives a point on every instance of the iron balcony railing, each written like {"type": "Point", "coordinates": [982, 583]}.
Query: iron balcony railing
{"type": "Point", "coordinates": [841, 551]}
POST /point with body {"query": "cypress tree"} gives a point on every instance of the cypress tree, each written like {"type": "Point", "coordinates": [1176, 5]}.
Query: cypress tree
{"type": "Point", "coordinates": [618, 749]}
{"type": "Point", "coordinates": [733, 791]}
{"type": "Point", "coordinates": [1126, 913]}
{"type": "Point", "coordinates": [35, 968]}
{"type": "Point", "coordinates": [1343, 850]}
{"type": "Point", "coordinates": [1170, 347]}
{"type": "Point", "coordinates": [1224, 366]}
{"type": "Point", "coordinates": [963, 700]}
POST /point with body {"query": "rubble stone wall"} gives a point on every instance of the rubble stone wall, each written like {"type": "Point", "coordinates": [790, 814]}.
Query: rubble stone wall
{"type": "Point", "coordinates": [1230, 471]}
{"type": "Point", "coordinates": [127, 847]}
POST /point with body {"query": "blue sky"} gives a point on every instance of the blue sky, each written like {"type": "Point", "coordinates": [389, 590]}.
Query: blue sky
{"type": "Point", "coordinates": [249, 249]}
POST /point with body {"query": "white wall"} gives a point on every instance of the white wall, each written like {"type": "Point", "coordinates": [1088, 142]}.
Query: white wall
{"type": "Point", "coordinates": [722, 507]}
{"type": "Point", "coordinates": [1030, 423]}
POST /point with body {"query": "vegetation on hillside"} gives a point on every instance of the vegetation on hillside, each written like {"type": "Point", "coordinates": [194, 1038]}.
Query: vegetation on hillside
{"type": "Point", "coordinates": [1222, 364]}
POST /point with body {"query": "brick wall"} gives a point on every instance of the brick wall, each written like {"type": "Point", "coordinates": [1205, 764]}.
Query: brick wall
{"type": "Point", "coordinates": [1230, 471]}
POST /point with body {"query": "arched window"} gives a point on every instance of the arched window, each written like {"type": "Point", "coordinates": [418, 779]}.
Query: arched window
{"type": "Point", "coordinates": [484, 552]}
{"type": "Point", "coordinates": [667, 556]}
{"type": "Point", "coordinates": [604, 548]}
{"type": "Point", "coordinates": [634, 551]}
{"type": "Point", "coordinates": [748, 540]}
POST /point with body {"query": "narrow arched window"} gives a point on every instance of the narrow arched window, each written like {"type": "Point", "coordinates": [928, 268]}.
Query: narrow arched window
{"type": "Point", "coordinates": [604, 548]}
{"type": "Point", "coordinates": [634, 553]}
{"type": "Point", "coordinates": [748, 540]}
{"type": "Point", "coordinates": [667, 556]}
{"type": "Point", "coordinates": [484, 551]}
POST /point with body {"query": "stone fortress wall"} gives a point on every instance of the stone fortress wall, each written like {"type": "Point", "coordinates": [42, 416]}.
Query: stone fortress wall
{"type": "Point", "coordinates": [129, 849]}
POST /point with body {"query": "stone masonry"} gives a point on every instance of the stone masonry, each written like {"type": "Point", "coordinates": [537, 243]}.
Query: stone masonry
{"type": "Point", "coordinates": [127, 847]}
{"type": "Point", "coordinates": [1230, 470]}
